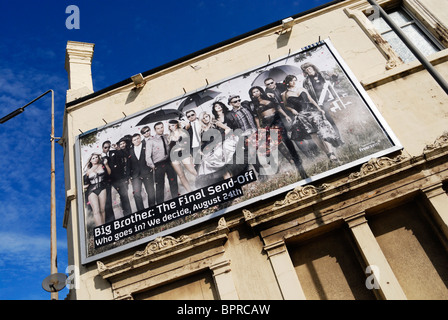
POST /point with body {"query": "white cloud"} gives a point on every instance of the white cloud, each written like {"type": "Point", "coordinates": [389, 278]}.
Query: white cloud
{"type": "Point", "coordinates": [27, 253]}
{"type": "Point", "coordinates": [24, 263]}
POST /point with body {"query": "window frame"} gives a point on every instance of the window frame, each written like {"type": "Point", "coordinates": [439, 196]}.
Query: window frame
{"type": "Point", "coordinates": [429, 37]}
{"type": "Point", "coordinates": [427, 22]}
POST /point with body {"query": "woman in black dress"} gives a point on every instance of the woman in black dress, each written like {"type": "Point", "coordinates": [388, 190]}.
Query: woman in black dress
{"type": "Point", "coordinates": [268, 116]}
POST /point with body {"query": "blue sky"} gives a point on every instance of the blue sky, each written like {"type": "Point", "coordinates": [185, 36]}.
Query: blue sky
{"type": "Point", "coordinates": [130, 37]}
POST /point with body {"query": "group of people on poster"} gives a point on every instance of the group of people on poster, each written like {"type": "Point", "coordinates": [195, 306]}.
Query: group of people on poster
{"type": "Point", "coordinates": [206, 144]}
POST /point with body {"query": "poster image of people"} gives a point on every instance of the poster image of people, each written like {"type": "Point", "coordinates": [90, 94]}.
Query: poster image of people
{"type": "Point", "coordinates": [260, 133]}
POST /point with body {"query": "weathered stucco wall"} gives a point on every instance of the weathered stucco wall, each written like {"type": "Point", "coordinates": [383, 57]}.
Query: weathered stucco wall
{"type": "Point", "coordinates": [411, 102]}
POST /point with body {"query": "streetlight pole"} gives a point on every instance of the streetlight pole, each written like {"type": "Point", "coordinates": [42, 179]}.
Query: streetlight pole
{"type": "Point", "coordinates": [53, 244]}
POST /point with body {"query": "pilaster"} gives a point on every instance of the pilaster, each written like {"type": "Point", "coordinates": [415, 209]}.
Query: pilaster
{"type": "Point", "coordinates": [437, 201]}
{"type": "Point", "coordinates": [224, 281]}
{"type": "Point", "coordinates": [284, 271]}
{"type": "Point", "coordinates": [389, 287]}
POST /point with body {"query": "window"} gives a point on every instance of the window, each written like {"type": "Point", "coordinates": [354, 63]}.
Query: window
{"type": "Point", "coordinates": [419, 36]}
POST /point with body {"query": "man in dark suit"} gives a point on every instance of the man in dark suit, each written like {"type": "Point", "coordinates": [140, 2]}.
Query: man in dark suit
{"type": "Point", "coordinates": [119, 164]}
{"type": "Point", "coordinates": [158, 158]}
{"type": "Point", "coordinates": [141, 173]}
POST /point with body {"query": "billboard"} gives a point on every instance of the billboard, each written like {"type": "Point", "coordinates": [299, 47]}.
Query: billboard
{"type": "Point", "coordinates": [254, 135]}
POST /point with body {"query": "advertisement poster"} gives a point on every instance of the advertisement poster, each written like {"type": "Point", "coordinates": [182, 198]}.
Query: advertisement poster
{"type": "Point", "coordinates": [254, 135]}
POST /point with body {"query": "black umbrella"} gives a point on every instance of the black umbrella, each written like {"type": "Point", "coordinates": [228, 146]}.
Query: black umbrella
{"type": "Point", "coordinates": [277, 73]}
{"type": "Point", "coordinates": [160, 115]}
{"type": "Point", "coordinates": [196, 99]}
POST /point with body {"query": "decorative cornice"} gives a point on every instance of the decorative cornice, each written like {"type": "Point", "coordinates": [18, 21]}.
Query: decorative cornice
{"type": "Point", "coordinates": [161, 243]}
{"type": "Point", "coordinates": [101, 267]}
{"type": "Point", "coordinates": [440, 142]}
{"type": "Point", "coordinates": [248, 215]}
{"type": "Point", "coordinates": [222, 224]}
{"type": "Point", "coordinates": [163, 247]}
{"type": "Point", "coordinates": [300, 193]}
{"type": "Point", "coordinates": [375, 165]}
{"type": "Point", "coordinates": [373, 170]}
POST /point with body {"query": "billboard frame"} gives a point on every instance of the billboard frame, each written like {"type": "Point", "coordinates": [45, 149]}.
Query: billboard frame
{"type": "Point", "coordinates": [85, 259]}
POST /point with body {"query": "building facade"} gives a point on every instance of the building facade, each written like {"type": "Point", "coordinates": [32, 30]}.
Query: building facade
{"type": "Point", "coordinates": [374, 230]}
